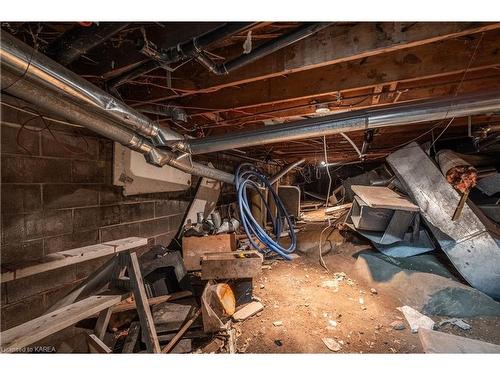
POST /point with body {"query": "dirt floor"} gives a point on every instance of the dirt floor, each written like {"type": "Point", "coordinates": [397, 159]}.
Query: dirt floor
{"type": "Point", "coordinates": [301, 308]}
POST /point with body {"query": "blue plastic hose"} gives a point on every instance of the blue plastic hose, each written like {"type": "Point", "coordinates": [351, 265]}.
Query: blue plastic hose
{"type": "Point", "coordinates": [249, 177]}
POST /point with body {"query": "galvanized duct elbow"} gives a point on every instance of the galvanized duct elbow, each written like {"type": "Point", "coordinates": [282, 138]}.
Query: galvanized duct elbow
{"type": "Point", "coordinates": [56, 103]}
{"type": "Point", "coordinates": [171, 111]}
{"type": "Point", "coordinates": [28, 63]}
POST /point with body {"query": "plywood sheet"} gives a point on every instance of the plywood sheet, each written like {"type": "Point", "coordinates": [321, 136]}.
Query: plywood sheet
{"type": "Point", "coordinates": [383, 197]}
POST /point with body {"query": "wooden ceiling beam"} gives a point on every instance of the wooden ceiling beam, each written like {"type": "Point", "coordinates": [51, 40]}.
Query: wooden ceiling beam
{"type": "Point", "coordinates": [333, 45]}
{"type": "Point", "coordinates": [423, 62]}
{"type": "Point", "coordinates": [254, 117]}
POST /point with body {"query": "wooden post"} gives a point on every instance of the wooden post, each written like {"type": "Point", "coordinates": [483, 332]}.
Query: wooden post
{"type": "Point", "coordinates": [141, 301]}
{"type": "Point", "coordinates": [102, 323]}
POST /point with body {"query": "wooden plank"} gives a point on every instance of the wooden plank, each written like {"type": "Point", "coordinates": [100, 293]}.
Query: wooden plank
{"type": "Point", "coordinates": [383, 197]}
{"type": "Point", "coordinates": [104, 316]}
{"type": "Point", "coordinates": [233, 265]}
{"type": "Point", "coordinates": [102, 323]}
{"type": "Point", "coordinates": [400, 66]}
{"type": "Point", "coordinates": [126, 305]}
{"type": "Point", "coordinates": [132, 336]}
{"type": "Point", "coordinates": [377, 90]}
{"type": "Point", "coordinates": [333, 45]}
{"type": "Point", "coordinates": [341, 207]}
{"type": "Point", "coordinates": [247, 311]}
{"type": "Point", "coordinates": [30, 332]}
{"type": "Point", "coordinates": [177, 337]}
{"type": "Point", "coordinates": [127, 243]}
{"type": "Point", "coordinates": [143, 309]}
{"type": "Point", "coordinates": [96, 345]}
{"type": "Point", "coordinates": [91, 285]}
{"type": "Point", "coordinates": [409, 90]}
{"type": "Point", "coordinates": [440, 342]}
{"type": "Point", "coordinates": [69, 257]}
{"type": "Point", "coordinates": [193, 248]}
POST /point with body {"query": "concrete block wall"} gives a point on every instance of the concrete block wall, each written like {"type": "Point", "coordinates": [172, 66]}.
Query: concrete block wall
{"type": "Point", "coordinates": [57, 194]}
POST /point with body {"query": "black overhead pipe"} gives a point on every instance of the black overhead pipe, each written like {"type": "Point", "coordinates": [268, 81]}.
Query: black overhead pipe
{"type": "Point", "coordinates": [179, 52]}
{"type": "Point", "coordinates": [265, 49]}
{"type": "Point", "coordinates": [79, 40]}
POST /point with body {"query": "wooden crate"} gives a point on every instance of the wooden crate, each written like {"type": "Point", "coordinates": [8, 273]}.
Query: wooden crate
{"type": "Point", "coordinates": [194, 247]}
{"type": "Point", "coordinates": [232, 265]}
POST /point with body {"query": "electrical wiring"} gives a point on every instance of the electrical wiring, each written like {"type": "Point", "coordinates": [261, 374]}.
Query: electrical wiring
{"type": "Point", "coordinates": [328, 172]}
{"type": "Point", "coordinates": [46, 126]}
{"type": "Point", "coordinates": [459, 87]}
{"type": "Point", "coordinates": [320, 246]}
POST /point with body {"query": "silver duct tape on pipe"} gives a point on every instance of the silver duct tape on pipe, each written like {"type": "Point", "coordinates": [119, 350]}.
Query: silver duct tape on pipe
{"type": "Point", "coordinates": [57, 104]}
{"type": "Point", "coordinates": [392, 115]}
{"type": "Point", "coordinates": [26, 62]}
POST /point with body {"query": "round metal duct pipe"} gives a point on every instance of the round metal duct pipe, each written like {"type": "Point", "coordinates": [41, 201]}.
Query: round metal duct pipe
{"type": "Point", "coordinates": [57, 104]}
{"type": "Point", "coordinates": [392, 115]}
{"type": "Point", "coordinates": [28, 63]}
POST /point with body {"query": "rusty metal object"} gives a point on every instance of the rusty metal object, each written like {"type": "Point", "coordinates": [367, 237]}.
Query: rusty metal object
{"type": "Point", "coordinates": [459, 173]}
{"type": "Point", "coordinates": [462, 178]}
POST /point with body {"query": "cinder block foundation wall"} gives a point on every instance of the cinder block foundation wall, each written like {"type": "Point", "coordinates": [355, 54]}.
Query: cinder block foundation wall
{"type": "Point", "coordinates": [57, 194]}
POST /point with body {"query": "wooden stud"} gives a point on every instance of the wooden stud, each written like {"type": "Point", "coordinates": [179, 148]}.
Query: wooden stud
{"type": "Point", "coordinates": [403, 65]}
{"type": "Point", "coordinates": [333, 45]}
{"type": "Point", "coordinates": [132, 336]}
{"type": "Point", "coordinates": [96, 345]}
{"type": "Point", "coordinates": [377, 90]}
{"type": "Point", "coordinates": [102, 323]}
{"type": "Point", "coordinates": [141, 301]}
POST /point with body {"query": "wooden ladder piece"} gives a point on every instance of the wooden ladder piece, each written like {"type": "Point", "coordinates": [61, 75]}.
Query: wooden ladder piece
{"type": "Point", "coordinates": [83, 303]}
{"type": "Point", "coordinates": [30, 332]}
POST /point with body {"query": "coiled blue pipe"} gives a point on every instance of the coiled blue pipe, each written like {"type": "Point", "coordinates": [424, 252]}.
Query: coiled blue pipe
{"type": "Point", "coordinates": [249, 177]}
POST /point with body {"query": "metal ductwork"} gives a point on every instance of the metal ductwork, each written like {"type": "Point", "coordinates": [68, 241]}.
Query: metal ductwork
{"type": "Point", "coordinates": [391, 115]}
{"type": "Point", "coordinates": [171, 111]}
{"type": "Point", "coordinates": [58, 104]}
{"type": "Point", "coordinates": [79, 40]}
{"type": "Point", "coordinates": [285, 170]}
{"type": "Point", "coordinates": [179, 52]}
{"type": "Point", "coordinates": [265, 49]}
{"type": "Point", "coordinates": [28, 63]}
